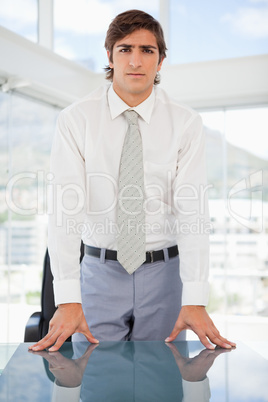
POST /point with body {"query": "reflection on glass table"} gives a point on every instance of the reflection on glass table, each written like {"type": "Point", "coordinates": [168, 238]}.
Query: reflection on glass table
{"type": "Point", "coordinates": [135, 371]}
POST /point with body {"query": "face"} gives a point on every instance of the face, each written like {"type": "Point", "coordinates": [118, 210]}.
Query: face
{"type": "Point", "coordinates": [135, 63]}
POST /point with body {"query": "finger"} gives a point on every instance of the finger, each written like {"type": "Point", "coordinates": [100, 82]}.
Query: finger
{"type": "Point", "coordinates": [220, 341]}
{"type": "Point", "coordinates": [60, 341]}
{"type": "Point", "coordinates": [174, 333]}
{"type": "Point", "coordinates": [84, 329]}
{"type": "Point", "coordinates": [214, 336]}
{"type": "Point", "coordinates": [31, 347]}
{"type": "Point", "coordinates": [45, 342]}
{"type": "Point", "coordinates": [205, 341]}
{"type": "Point", "coordinates": [232, 344]}
{"type": "Point", "coordinates": [91, 339]}
{"type": "Point", "coordinates": [38, 345]}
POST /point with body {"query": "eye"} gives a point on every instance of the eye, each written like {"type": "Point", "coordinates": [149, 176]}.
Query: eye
{"type": "Point", "coordinates": [148, 51]}
{"type": "Point", "coordinates": [124, 50]}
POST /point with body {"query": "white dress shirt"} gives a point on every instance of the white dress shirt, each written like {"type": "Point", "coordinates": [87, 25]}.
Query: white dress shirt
{"type": "Point", "coordinates": [83, 202]}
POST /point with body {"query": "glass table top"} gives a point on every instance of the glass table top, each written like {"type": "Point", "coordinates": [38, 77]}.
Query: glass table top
{"type": "Point", "coordinates": [136, 372]}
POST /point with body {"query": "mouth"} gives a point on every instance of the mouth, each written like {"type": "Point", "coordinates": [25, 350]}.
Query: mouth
{"type": "Point", "coordinates": [135, 75]}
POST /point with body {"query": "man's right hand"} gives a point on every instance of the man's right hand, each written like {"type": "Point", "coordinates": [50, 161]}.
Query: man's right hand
{"type": "Point", "coordinates": [67, 319]}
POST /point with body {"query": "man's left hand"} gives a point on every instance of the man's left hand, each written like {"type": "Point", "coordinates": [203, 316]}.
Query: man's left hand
{"type": "Point", "coordinates": [197, 319]}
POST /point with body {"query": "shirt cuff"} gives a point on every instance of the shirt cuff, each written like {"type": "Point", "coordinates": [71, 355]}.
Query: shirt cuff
{"type": "Point", "coordinates": [67, 291]}
{"type": "Point", "coordinates": [65, 394]}
{"type": "Point", "coordinates": [195, 294]}
{"type": "Point", "coordinates": [196, 391]}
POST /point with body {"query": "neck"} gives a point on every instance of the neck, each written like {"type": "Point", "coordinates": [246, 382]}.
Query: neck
{"type": "Point", "coordinates": [133, 99]}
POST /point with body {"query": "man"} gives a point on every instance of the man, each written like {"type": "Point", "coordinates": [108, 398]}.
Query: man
{"type": "Point", "coordinates": [167, 294]}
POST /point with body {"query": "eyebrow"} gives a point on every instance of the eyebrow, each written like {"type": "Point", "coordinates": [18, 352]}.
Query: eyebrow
{"type": "Point", "coordinates": [141, 47]}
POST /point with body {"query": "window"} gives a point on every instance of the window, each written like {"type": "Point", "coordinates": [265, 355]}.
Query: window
{"type": "Point", "coordinates": [211, 30]}
{"type": "Point", "coordinates": [27, 129]}
{"type": "Point", "coordinates": [20, 16]}
{"type": "Point", "coordinates": [237, 170]}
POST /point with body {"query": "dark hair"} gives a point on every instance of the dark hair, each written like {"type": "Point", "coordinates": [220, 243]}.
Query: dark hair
{"type": "Point", "coordinates": [125, 24]}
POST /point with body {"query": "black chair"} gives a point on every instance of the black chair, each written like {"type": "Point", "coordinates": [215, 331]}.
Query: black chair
{"type": "Point", "coordinates": [37, 325]}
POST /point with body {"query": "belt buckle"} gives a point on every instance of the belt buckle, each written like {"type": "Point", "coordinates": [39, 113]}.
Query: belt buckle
{"type": "Point", "coordinates": [152, 256]}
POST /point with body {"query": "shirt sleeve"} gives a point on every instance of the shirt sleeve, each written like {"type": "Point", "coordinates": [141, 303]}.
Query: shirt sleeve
{"type": "Point", "coordinates": [191, 210]}
{"type": "Point", "coordinates": [61, 394]}
{"type": "Point", "coordinates": [196, 391]}
{"type": "Point", "coordinates": [66, 210]}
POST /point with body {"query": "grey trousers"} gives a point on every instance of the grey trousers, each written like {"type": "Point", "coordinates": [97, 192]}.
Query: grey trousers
{"type": "Point", "coordinates": [138, 307]}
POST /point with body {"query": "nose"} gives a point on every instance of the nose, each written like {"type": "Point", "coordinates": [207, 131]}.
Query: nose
{"type": "Point", "coordinates": [135, 59]}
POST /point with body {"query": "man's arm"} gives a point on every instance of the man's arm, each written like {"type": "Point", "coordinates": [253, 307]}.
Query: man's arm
{"type": "Point", "coordinates": [67, 206]}
{"type": "Point", "coordinates": [67, 203]}
{"type": "Point", "coordinates": [191, 208]}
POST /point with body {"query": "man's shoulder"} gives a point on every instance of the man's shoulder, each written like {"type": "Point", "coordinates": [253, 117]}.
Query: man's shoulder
{"type": "Point", "coordinates": [174, 105]}
{"type": "Point", "coordinates": [95, 97]}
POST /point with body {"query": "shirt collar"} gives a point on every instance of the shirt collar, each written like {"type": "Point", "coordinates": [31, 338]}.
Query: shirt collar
{"type": "Point", "coordinates": [118, 106]}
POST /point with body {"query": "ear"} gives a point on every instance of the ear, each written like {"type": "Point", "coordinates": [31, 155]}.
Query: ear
{"type": "Point", "coordinates": [109, 59]}
{"type": "Point", "coordinates": [160, 64]}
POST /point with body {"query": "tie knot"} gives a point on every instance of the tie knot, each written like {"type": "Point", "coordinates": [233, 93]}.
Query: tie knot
{"type": "Point", "coordinates": [132, 117]}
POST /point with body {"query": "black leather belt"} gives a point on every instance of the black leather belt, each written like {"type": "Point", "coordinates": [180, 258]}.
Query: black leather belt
{"type": "Point", "coordinates": [151, 256]}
